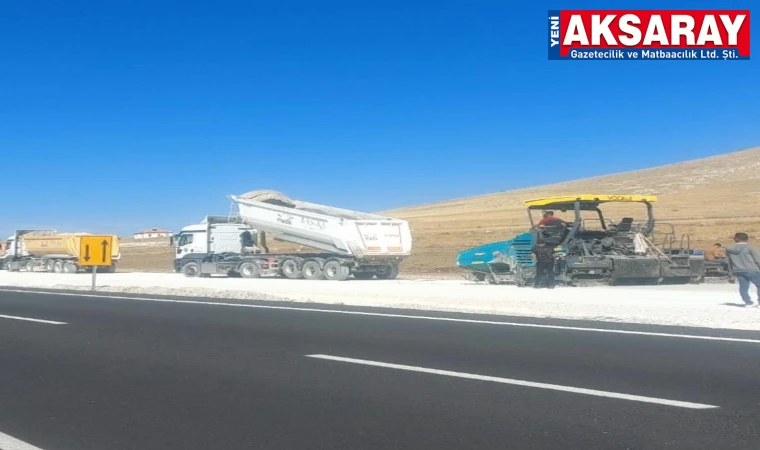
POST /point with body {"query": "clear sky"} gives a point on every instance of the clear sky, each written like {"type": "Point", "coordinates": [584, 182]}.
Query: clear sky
{"type": "Point", "coordinates": [118, 116]}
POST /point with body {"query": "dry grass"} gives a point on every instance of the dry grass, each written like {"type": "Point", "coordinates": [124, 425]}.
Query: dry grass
{"type": "Point", "coordinates": [709, 199]}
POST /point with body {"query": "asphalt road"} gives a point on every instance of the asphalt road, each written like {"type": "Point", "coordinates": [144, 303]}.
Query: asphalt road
{"type": "Point", "coordinates": [105, 373]}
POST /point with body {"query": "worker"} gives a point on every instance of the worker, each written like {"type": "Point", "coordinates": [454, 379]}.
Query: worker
{"type": "Point", "coordinates": [543, 255]}
{"type": "Point", "coordinates": [549, 219]}
{"type": "Point", "coordinates": [744, 264]}
{"type": "Point", "coordinates": [716, 252]}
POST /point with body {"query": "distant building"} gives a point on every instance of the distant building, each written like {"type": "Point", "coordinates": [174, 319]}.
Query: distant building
{"type": "Point", "coordinates": [151, 233]}
{"type": "Point", "coordinates": [3, 247]}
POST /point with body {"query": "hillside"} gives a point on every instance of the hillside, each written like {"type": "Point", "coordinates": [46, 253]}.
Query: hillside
{"type": "Point", "coordinates": [710, 199]}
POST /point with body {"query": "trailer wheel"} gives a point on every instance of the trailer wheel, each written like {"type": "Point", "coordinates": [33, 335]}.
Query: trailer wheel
{"type": "Point", "coordinates": [389, 273]}
{"type": "Point", "coordinates": [290, 269]}
{"type": "Point", "coordinates": [312, 270]}
{"type": "Point", "coordinates": [49, 265]}
{"type": "Point", "coordinates": [334, 270]}
{"type": "Point", "coordinates": [249, 270]}
{"type": "Point", "coordinates": [58, 267]}
{"type": "Point", "coordinates": [69, 267]}
{"type": "Point", "coordinates": [191, 269]}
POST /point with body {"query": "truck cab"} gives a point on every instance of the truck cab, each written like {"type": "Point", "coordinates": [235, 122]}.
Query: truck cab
{"type": "Point", "coordinates": [7, 256]}
{"type": "Point", "coordinates": [213, 236]}
{"type": "Point", "coordinates": [12, 252]}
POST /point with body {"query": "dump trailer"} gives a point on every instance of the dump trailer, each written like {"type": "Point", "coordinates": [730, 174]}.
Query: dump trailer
{"type": "Point", "coordinates": [50, 251]}
{"type": "Point", "coordinates": [589, 248]}
{"type": "Point", "coordinates": [346, 243]}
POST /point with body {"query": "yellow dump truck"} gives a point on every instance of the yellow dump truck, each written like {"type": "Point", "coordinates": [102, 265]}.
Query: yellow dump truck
{"type": "Point", "coordinates": [50, 251]}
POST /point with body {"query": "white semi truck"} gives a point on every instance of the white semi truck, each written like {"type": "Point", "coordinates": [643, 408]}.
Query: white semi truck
{"type": "Point", "coordinates": [346, 242]}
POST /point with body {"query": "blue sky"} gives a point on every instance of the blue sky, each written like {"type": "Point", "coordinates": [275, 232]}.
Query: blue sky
{"type": "Point", "coordinates": [118, 116]}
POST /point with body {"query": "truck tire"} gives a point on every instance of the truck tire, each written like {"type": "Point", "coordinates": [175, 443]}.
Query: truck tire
{"type": "Point", "coordinates": [312, 270]}
{"type": "Point", "coordinates": [249, 270]}
{"type": "Point", "coordinates": [335, 271]}
{"type": "Point", "coordinates": [389, 273]}
{"type": "Point", "coordinates": [58, 267]}
{"type": "Point", "coordinates": [290, 269]}
{"type": "Point", "coordinates": [191, 269]}
{"type": "Point", "coordinates": [29, 266]}
{"type": "Point", "coordinates": [69, 267]}
{"type": "Point", "coordinates": [49, 265]}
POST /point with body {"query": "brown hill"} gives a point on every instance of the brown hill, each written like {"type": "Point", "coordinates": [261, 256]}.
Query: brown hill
{"type": "Point", "coordinates": [708, 199]}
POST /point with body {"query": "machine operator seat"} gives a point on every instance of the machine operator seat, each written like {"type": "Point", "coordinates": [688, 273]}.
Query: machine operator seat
{"type": "Point", "coordinates": [625, 225]}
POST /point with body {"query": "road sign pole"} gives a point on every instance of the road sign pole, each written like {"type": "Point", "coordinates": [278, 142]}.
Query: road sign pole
{"type": "Point", "coordinates": [94, 273]}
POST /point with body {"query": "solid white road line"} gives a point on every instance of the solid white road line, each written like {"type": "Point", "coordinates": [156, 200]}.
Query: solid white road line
{"type": "Point", "coordinates": [11, 443]}
{"type": "Point", "coordinates": [554, 387]}
{"type": "Point", "coordinates": [28, 319]}
{"type": "Point", "coordinates": [401, 316]}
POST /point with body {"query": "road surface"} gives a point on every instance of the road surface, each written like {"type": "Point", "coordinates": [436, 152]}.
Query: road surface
{"type": "Point", "coordinates": [81, 372]}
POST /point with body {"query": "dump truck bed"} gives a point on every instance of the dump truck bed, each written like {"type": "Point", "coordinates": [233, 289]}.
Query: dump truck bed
{"type": "Point", "coordinates": [335, 230]}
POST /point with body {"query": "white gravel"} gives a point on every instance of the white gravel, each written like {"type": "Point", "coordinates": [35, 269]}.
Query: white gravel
{"type": "Point", "coordinates": [709, 305]}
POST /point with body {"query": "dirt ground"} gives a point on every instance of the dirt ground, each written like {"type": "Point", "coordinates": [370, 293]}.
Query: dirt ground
{"type": "Point", "coordinates": [146, 259]}
{"type": "Point", "coordinates": [705, 201]}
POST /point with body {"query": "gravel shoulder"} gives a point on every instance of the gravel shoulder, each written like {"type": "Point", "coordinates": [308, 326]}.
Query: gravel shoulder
{"type": "Point", "coordinates": [714, 306]}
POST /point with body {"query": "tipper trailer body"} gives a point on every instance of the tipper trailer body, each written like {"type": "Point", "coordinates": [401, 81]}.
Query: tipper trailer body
{"type": "Point", "coordinates": [49, 251]}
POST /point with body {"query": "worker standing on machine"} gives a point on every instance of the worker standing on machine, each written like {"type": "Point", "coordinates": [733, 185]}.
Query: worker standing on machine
{"type": "Point", "coordinates": [549, 219]}
{"type": "Point", "coordinates": [717, 252]}
{"type": "Point", "coordinates": [543, 255]}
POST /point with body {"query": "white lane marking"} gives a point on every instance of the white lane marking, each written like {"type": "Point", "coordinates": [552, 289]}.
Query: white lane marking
{"type": "Point", "coordinates": [403, 316]}
{"type": "Point", "coordinates": [29, 319]}
{"type": "Point", "coordinates": [11, 443]}
{"type": "Point", "coordinates": [553, 387]}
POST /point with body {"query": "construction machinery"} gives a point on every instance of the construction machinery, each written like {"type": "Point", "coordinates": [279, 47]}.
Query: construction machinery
{"type": "Point", "coordinates": [49, 251]}
{"type": "Point", "coordinates": [346, 242]}
{"type": "Point", "coordinates": [589, 248]}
